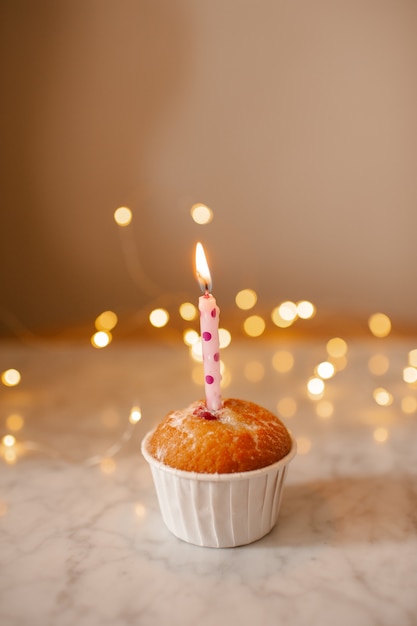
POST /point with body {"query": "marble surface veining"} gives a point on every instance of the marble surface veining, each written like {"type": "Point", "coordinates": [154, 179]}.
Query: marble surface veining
{"type": "Point", "coordinates": [81, 538]}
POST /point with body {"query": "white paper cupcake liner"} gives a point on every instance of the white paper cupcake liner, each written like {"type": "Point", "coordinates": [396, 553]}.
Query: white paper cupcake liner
{"type": "Point", "coordinates": [219, 510]}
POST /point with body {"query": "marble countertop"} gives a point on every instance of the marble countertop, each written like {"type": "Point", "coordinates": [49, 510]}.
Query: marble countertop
{"type": "Point", "coordinates": [82, 540]}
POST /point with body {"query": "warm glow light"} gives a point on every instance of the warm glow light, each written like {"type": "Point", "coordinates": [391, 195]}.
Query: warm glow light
{"type": "Point", "coordinates": [288, 311]}
{"type": "Point", "coordinates": [246, 299]}
{"type": "Point", "coordinates": [303, 445]}
{"type": "Point", "coordinates": [106, 321]}
{"type": "Point", "coordinates": [324, 409]}
{"type": "Point", "coordinates": [315, 386]}
{"type": "Point", "coordinates": [8, 441]}
{"type": "Point", "coordinates": [412, 358]}
{"type": "Point", "coordinates": [409, 404]}
{"type": "Point", "coordinates": [135, 415]}
{"type": "Point", "coordinates": [202, 268]}
{"type": "Point", "coordinates": [336, 347]}
{"type": "Point", "coordinates": [224, 338]}
{"type": "Point", "coordinates": [196, 351]}
{"type": "Point", "coordinates": [325, 370]}
{"type": "Point", "coordinates": [378, 364]}
{"type": "Point", "coordinates": [254, 371]}
{"type": "Point", "coordinates": [379, 324]}
{"type": "Point", "coordinates": [140, 510]}
{"type": "Point", "coordinates": [226, 378]}
{"type": "Point", "coordinates": [10, 455]}
{"type": "Point", "coordinates": [410, 374]}
{"type": "Point", "coordinates": [123, 216]}
{"type": "Point", "coordinates": [108, 465]}
{"type": "Point", "coordinates": [190, 336]}
{"type": "Point", "coordinates": [278, 320]}
{"type": "Point", "coordinates": [380, 435]}
{"type": "Point", "coordinates": [282, 361]}
{"type": "Point", "coordinates": [101, 339]}
{"type": "Point", "coordinates": [15, 422]}
{"type": "Point", "coordinates": [201, 214]}
{"type": "Point", "coordinates": [382, 396]}
{"type": "Point", "coordinates": [159, 318]}
{"type": "Point", "coordinates": [254, 325]}
{"type": "Point", "coordinates": [305, 310]}
{"type": "Point", "coordinates": [286, 407]}
{"type": "Point", "coordinates": [10, 377]}
{"type": "Point", "coordinates": [188, 311]}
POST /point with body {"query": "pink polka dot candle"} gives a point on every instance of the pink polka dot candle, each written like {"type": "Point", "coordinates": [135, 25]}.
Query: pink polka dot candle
{"type": "Point", "coordinates": [209, 325]}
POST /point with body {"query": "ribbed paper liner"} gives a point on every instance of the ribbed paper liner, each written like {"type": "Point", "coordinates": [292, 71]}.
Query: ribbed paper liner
{"type": "Point", "coordinates": [219, 510]}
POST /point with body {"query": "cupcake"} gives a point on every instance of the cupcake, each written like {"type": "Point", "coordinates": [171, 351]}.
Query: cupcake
{"type": "Point", "coordinates": [219, 474]}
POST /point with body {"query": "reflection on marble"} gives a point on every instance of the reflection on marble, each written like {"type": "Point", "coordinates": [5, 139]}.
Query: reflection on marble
{"type": "Point", "coordinates": [84, 543]}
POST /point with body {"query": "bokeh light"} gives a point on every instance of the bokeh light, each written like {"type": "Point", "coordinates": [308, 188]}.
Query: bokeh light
{"type": "Point", "coordinates": [188, 311]}
{"type": "Point", "coordinates": [190, 336]}
{"type": "Point", "coordinates": [382, 396]}
{"type": "Point", "coordinates": [409, 405]}
{"type": "Point", "coordinates": [287, 407]}
{"type": "Point", "coordinates": [410, 374]}
{"type": "Point", "coordinates": [106, 320]}
{"type": "Point", "coordinates": [288, 311]}
{"type": "Point", "coordinates": [324, 409]}
{"type": "Point", "coordinates": [315, 386]}
{"type": "Point", "coordinates": [246, 299]}
{"type": "Point", "coordinates": [108, 465]}
{"type": "Point", "coordinates": [15, 422]}
{"type": "Point", "coordinates": [282, 361]}
{"type": "Point", "coordinates": [379, 324]}
{"type": "Point", "coordinates": [378, 364]}
{"type": "Point", "coordinates": [254, 325]}
{"type": "Point", "coordinates": [278, 320]}
{"type": "Point", "coordinates": [11, 377]}
{"type": "Point", "coordinates": [135, 415]}
{"type": "Point", "coordinates": [159, 318]}
{"type": "Point", "coordinates": [254, 371]}
{"type": "Point", "coordinates": [123, 216]}
{"type": "Point", "coordinates": [8, 441]}
{"type": "Point", "coordinates": [412, 358]}
{"type": "Point", "coordinates": [325, 370]}
{"type": "Point", "coordinates": [224, 338]}
{"type": "Point", "coordinates": [336, 347]}
{"type": "Point", "coordinates": [201, 213]}
{"type": "Point", "coordinates": [101, 339]}
{"type": "Point", "coordinates": [380, 434]}
{"type": "Point", "coordinates": [305, 310]}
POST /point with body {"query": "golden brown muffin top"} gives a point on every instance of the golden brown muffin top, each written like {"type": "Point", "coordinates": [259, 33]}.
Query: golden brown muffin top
{"type": "Point", "coordinates": [239, 437]}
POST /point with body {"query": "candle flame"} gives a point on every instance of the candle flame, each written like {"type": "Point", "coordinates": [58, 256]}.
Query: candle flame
{"type": "Point", "coordinates": [202, 269]}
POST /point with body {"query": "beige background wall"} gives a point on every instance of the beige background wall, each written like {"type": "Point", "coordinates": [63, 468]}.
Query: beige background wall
{"type": "Point", "coordinates": [294, 121]}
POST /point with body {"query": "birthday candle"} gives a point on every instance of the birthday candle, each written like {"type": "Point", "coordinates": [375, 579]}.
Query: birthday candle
{"type": "Point", "coordinates": [209, 325]}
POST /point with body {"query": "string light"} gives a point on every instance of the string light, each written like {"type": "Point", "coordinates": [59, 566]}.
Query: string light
{"type": "Point", "coordinates": [324, 409]}
{"type": "Point", "coordinates": [315, 386]}
{"type": "Point", "coordinates": [336, 347]}
{"type": "Point", "coordinates": [190, 336]}
{"type": "Point", "coordinates": [224, 338]}
{"type": "Point", "coordinates": [278, 320]}
{"type": "Point", "coordinates": [409, 405]}
{"type": "Point", "coordinates": [15, 422]}
{"type": "Point", "coordinates": [288, 311]}
{"type": "Point", "coordinates": [412, 358]}
{"type": "Point", "coordinates": [8, 441]}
